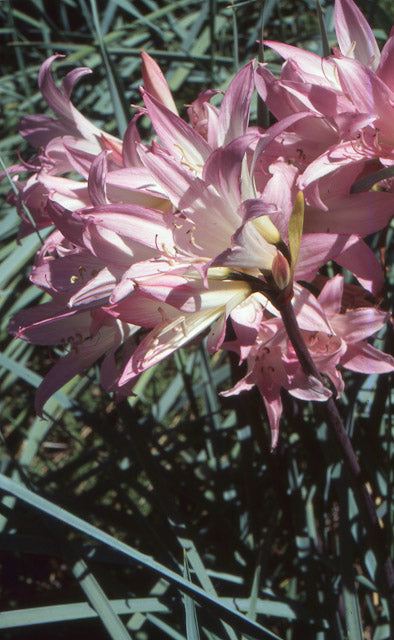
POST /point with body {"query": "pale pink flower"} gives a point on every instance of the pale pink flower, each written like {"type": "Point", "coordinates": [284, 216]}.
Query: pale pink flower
{"type": "Point", "coordinates": [71, 144]}
{"type": "Point", "coordinates": [333, 336]}
{"type": "Point", "coordinates": [350, 94]}
{"type": "Point", "coordinates": [158, 243]}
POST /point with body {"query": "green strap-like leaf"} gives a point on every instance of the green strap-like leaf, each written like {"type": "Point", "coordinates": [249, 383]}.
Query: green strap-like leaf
{"type": "Point", "coordinates": [223, 611]}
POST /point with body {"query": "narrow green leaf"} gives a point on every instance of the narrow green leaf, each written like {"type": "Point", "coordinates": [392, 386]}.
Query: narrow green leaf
{"type": "Point", "coordinates": [365, 184]}
{"type": "Point", "coordinates": [224, 611]}
{"type": "Point", "coordinates": [120, 107]}
{"type": "Point", "coordinates": [323, 32]}
{"type": "Point", "coordinates": [100, 602]}
{"type": "Point", "coordinates": [32, 378]}
{"type": "Point", "coordinates": [192, 632]}
{"type": "Point", "coordinates": [352, 613]}
{"type": "Point", "coordinates": [77, 611]}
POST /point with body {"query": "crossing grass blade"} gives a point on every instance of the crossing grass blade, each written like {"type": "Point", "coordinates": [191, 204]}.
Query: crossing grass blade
{"type": "Point", "coordinates": [224, 611]}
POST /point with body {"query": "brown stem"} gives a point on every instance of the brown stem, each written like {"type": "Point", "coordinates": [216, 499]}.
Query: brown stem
{"type": "Point", "coordinates": [385, 571]}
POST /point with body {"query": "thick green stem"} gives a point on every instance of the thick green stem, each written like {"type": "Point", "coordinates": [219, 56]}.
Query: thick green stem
{"type": "Point", "coordinates": [385, 571]}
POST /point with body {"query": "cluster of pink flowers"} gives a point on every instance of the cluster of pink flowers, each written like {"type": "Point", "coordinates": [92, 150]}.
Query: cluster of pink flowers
{"type": "Point", "coordinates": [156, 243]}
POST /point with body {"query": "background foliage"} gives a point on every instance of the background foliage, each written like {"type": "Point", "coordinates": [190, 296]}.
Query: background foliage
{"type": "Point", "coordinates": [176, 473]}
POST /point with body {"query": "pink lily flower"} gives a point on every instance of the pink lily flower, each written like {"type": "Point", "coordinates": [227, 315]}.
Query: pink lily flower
{"type": "Point", "coordinates": [352, 90]}
{"type": "Point", "coordinates": [333, 338]}
{"type": "Point", "coordinates": [171, 239]}
{"type": "Point", "coordinates": [71, 143]}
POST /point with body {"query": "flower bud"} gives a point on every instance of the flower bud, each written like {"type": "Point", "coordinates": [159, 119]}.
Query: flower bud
{"type": "Point", "coordinates": [281, 271]}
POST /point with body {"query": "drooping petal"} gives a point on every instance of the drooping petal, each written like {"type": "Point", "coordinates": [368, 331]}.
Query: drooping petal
{"type": "Point", "coordinates": [50, 323]}
{"type": "Point", "coordinates": [60, 103]}
{"type": "Point", "coordinates": [309, 388]}
{"type": "Point", "coordinates": [274, 409]}
{"type": "Point", "coordinates": [318, 248]}
{"type": "Point", "coordinates": [80, 358]}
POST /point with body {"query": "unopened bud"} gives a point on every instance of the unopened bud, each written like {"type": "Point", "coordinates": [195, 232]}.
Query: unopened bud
{"type": "Point", "coordinates": [280, 271]}
{"type": "Point", "coordinates": [267, 229]}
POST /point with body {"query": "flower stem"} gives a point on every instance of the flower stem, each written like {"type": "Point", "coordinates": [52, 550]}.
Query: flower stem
{"type": "Point", "coordinates": [378, 543]}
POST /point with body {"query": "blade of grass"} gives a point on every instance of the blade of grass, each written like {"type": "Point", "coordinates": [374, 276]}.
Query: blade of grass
{"type": "Point", "coordinates": [192, 632]}
{"type": "Point", "coordinates": [120, 107]}
{"type": "Point", "coordinates": [100, 602]}
{"type": "Point", "coordinates": [77, 611]}
{"type": "Point", "coordinates": [224, 611]}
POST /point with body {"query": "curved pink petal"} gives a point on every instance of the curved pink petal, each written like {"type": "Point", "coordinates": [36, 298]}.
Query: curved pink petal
{"type": "Point", "coordinates": [195, 199]}
{"type": "Point", "coordinates": [309, 388]}
{"type": "Point", "coordinates": [234, 111]}
{"type": "Point", "coordinates": [178, 138]}
{"type": "Point", "coordinates": [223, 169]}
{"type": "Point", "coordinates": [368, 93]}
{"type": "Point", "coordinates": [355, 37]}
{"type": "Point", "coordinates": [363, 263]}
{"type": "Point", "coordinates": [166, 338]}
{"type": "Point", "coordinates": [39, 129]}
{"type": "Point", "coordinates": [143, 311]}
{"type": "Point", "coordinates": [50, 323]}
{"type": "Point", "coordinates": [330, 296]}
{"type": "Point", "coordinates": [80, 358]}
{"type": "Point", "coordinates": [148, 227]}
{"type": "Point", "coordinates": [365, 358]}
{"type": "Point", "coordinates": [155, 82]}
{"type": "Point", "coordinates": [385, 68]}
{"type": "Point", "coordinates": [309, 63]}
{"type": "Point", "coordinates": [357, 324]}
{"type": "Point", "coordinates": [97, 179]}
{"type": "Point", "coordinates": [279, 127]}
{"type": "Point", "coordinates": [60, 103]}
{"type": "Point", "coordinates": [96, 291]}
{"type": "Point", "coordinates": [131, 139]}
{"type": "Point", "coordinates": [65, 273]}
{"type": "Point", "coordinates": [364, 213]}
{"type": "Point", "coordinates": [310, 315]}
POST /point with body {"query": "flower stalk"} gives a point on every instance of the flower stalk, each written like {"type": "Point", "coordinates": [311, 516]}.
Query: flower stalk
{"type": "Point", "coordinates": [385, 569]}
